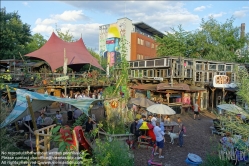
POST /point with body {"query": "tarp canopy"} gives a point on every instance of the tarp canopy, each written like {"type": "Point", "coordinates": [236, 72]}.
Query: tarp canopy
{"type": "Point", "coordinates": [53, 53]}
{"type": "Point", "coordinates": [39, 101]}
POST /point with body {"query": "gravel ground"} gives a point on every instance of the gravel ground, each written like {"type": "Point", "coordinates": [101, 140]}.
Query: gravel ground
{"type": "Point", "coordinates": [197, 140]}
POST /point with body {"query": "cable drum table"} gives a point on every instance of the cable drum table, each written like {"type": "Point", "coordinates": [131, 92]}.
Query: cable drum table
{"type": "Point", "coordinates": [169, 126]}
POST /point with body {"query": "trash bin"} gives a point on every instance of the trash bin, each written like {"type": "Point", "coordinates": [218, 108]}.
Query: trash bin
{"type": "Point", "coordinates": [193, 160]}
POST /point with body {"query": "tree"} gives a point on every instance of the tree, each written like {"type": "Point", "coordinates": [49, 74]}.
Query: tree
{"type": "Point", "coordinates": [67, 36]}
{"type": "Point", "coordinates": [37, 41]}
{"type": "Point", "coordinates": [214, 41]}
{"type": "Point", "coordinates": [175, 44]}
{"type": "Point", "coordinates": [14, 35]}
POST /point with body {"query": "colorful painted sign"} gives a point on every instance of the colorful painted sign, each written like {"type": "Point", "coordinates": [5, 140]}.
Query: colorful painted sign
{"type": "Point", "coordinates": [222, 81]}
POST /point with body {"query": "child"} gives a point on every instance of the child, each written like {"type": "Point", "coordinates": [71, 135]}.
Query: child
{"type": "Point", "coordinates": [58, 117]}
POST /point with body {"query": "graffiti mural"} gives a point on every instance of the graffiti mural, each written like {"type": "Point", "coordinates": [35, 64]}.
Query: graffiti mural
{"type": "Point", "coordinates": [112, 54]}
{"type": "Point", "coordinates": [109, 41]}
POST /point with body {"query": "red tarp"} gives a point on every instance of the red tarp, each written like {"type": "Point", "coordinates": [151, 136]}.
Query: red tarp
{"type": "Point", "coordinates": [53, 53]}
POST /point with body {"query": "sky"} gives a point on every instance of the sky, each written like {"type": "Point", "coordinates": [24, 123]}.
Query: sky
{"type": "Point", "coordinates": [83, 18]}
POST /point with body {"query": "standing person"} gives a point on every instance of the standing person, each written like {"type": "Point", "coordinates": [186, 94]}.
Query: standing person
{"type": "Point", "coordinates": [134, 130]}
{"type": "Point", "coordinates": [180, 131]}
{"type": "Point", "coordinates": [140, 121]}
{"type": "Point", "coordinates": [160, 139]}
{"type": "Point", "coordinates": [196, 110]}
{"type": "Point", "coordinates": [77, 113]}
{"type": "Point", "coordinates": [58, 117]}
{"type": "Point", "coordinates": [28, 121]}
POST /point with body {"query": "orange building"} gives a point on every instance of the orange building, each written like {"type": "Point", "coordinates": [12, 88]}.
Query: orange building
{"type": "Point", "coordinates": [140, 39]}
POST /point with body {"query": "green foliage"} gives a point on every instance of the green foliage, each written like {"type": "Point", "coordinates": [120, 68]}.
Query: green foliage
{"type": "Point", "coordinates": [80, 121]}
{"type": "Point", "coordinates": [66, 147]}
{"type": "Point", "coordinates": [67, 36]}
{"type": "Point", "coordinates": [112, 153]}
{"type": "Point", "coordinates": [4, 77]}
{"type": "Point", "coordinates": [37, 42]}
{"type": "Point", "coordinates": [108, 92]}
{"type": "Point", "coordinates": [14, 35]}
{"type": "Point", "coordinates": [214, 41]}
{"type": "Point", "coordinates": [114, 125]}
{"type": "Point", "coordinates": [213, 159]}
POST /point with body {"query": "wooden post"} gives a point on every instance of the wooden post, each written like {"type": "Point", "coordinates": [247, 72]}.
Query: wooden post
{"type": "Point", "coordinates": [9, 95]}
{"type": "Point", "coordinates": [224, 94]}
{"type": "Point", "coordinates": [199, 99]}
{"type": "Point", "coordinates": [212, 89]}
{"type": "Point", "coordinates": [11, 105]}
{"type": "Point", "coordinates": [31, 112]}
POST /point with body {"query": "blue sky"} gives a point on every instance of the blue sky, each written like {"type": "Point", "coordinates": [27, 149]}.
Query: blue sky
{"type": "Point", "coordinates": [85, 17]}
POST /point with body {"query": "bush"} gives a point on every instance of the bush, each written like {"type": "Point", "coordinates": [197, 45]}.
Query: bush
{"type": "Point", "coordinates": [114, 153]}
{"type": "Point", "coordinates": [214, 160]}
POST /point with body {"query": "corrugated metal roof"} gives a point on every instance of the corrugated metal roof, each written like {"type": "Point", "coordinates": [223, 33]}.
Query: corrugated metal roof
{"type": "Point", "coordinates": [180, 86]}
{"type": "Point", "coordinates": [145, 87]}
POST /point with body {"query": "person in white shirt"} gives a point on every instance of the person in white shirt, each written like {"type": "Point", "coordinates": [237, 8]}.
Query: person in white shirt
{"type": "Point", "coordinates": [160, 139]}
{"type": "Point", "coordinates": [196, 110]}
{"type": "Point", "coordinates": [153, 121]}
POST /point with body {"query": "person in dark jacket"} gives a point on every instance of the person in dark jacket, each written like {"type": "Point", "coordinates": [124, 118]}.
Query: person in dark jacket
{"type": "Point", "coordinates": [89, 125]}
{"type": "Point", "coordinates": [133, 127]}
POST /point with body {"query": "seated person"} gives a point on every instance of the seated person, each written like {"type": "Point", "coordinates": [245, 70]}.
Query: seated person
{"type": "Point", "coordinates": [77, 113]}
{"type": "Point", "coordinates": [227, 142]}
{"type": "Point", "coordinates": [89, 125]}
{"type": "Point", "coordinates": [58, 117]}
{"type": "Point", "coordinates": [39, 121]}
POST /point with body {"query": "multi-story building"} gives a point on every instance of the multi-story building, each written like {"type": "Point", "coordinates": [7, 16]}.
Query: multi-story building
{"type": "Point", "coordinates": [140, 39]}
{"type": "Point", "coordinates": [185, 80]}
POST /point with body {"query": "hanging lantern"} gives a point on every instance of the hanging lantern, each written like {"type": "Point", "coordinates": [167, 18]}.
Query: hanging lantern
{"type": "Point", "coordinates": [114, 104]}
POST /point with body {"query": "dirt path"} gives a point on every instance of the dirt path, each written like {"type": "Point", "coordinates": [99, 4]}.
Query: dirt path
{"type": "Point", "coordinates": [197, 140]}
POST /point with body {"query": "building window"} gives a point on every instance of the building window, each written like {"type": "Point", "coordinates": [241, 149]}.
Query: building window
{"type": "Point", "coordinates": [138, 56]}
{"type": "Point", "coordinates": [152, 45]}
{"type": "Point", "coordinates": [141, 57]}
{"type": "Point", "coordinates": [138, 41]}
{"type": "Point", "coordinates": [142, 42]}
{"type": "Point", "coordinates": [147, 44]}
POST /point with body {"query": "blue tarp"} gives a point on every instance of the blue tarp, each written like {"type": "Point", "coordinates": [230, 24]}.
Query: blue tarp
{"type": "Point", "coordinates": [39, 101]}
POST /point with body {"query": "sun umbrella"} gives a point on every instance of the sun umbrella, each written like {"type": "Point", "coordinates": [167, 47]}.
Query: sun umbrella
{"type": "Point", "coordinates": [232, 108]}
{"type": "Point", "coordinates": [161, 109]}
{"type": "Point", "coordinates": [143, 102]}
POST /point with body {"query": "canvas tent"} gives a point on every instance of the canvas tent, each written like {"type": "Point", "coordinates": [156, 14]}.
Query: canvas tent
{"type": "Point", "coordinates": [53, 53]}
{"type": "Point", "coordinates": [39, 101]}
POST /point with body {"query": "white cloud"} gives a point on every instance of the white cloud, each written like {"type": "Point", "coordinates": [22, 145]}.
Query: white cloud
{"type": "Point", "coordinates": [73, 15]}
{"type": "Point", "coordinates": [240, 13]}
{"type": "Point", "coordinates": [160, 14]}
{"type": "Point", "coordinates": [217, 15]}
{"type": "Point", "coordinates": [245, 7]}
{"type": "Point", "coordinates": [25, 3]}
{"type": "Point", "coordinates": [43, 29]}
{"type": "Point", "coordinates": [47, 21]}
{"type": "Point", "coordinates": [200, 8]}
